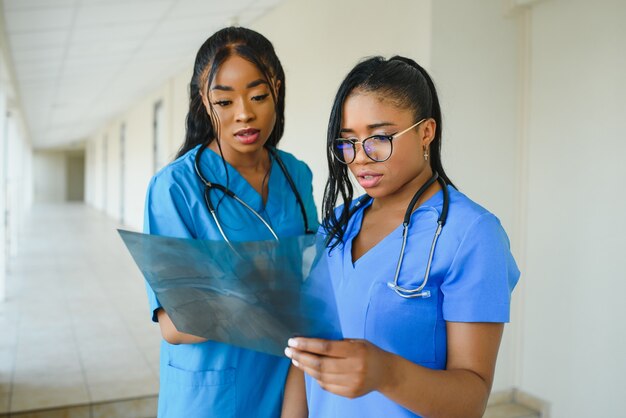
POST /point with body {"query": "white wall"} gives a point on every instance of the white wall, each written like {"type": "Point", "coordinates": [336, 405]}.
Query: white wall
{"type": "Point", "coordinates": [574, 335]}
{"type": "Point", "coordinates": [318, 42]}
{"type": "Point", "coordinates": [75, 176]}
{"type": "Point", "coordinates": [50, 176]}
{"type": "Point", "coordinates": [16, 187]}
{"type": "Point", "coordinates": [58, 175]}
{"type": "Point", "coordinates": [19, 179]}
{"type": "Point", "coordinates": [476, 76]}
{"type": "Point", "coordinates": [3, 157]}
{"type": "Point", "coordinates": [139, 155]}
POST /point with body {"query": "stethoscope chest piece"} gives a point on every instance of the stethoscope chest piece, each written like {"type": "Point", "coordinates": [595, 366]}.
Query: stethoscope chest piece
{"type": "Point", "coordinates": [423, 294]}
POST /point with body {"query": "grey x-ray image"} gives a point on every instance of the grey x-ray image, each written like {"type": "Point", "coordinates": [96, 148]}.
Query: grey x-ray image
{"type": "Point", "coordinates": [254, 295]}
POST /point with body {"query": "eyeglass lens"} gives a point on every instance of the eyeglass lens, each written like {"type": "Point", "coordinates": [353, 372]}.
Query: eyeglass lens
{"type": "Point", "coordinates": [377, 148]}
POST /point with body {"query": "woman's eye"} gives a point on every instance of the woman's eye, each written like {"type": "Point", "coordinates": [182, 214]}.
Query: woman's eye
{"type": "Point", "coordinates": [222, 103]}
{"type": "Point", "coordinates": [260, 97]}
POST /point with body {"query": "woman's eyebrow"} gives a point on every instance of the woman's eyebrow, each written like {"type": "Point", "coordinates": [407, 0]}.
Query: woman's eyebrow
{"type": "Point", "coordinates": [380, 125]}
{"type": "Point", "coordinates": [256, 83]}
{"type": "Point", "coordinates": [369, 127]}
{"type": "Point", "coordinates": [220, 87]}
{"type": "Point", "coordinates": [248, 86]}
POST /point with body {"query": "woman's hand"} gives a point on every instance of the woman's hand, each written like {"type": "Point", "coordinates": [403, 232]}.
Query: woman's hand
{"type": "Point", "coordinates": [349, 368]}
{"type": "Point", "coordinates": [353, 368]}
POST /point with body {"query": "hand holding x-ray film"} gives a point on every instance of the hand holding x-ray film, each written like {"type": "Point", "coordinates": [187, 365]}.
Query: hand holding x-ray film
{"type": "Point", "coordinates": [254, 295]}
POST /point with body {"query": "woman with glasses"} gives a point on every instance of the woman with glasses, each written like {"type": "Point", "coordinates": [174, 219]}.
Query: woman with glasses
{"type": "Point", "coordinates": [230, 183]}
{"type": "Point", "coordinates": [422, 275]}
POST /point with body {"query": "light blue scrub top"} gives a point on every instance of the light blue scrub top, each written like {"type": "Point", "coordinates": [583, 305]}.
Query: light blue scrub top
{"type": "Point", "coordinates": [471, 280]}
{"type": "Point", "coordinates": [213, 379]}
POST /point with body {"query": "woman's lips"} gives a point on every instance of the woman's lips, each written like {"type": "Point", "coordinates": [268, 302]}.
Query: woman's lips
{"type": "Point", "coordinates": [247, 136]}
{"type": "Point", "coordinates": [369, 180]}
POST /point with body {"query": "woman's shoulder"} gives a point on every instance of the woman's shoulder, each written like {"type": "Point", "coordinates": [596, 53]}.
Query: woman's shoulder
{"type": "Point", "coordinates": [465, 214]}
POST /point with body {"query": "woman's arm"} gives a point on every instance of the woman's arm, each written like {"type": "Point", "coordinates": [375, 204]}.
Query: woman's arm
{"type": "Point", "coordinates": [171, 334]}
{"type": "Point", "coordinates": [294, 402]}
{"type": "Point", "coordinates": [352, 368]}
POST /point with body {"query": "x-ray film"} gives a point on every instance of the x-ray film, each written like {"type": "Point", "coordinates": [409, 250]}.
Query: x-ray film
{"type": "Point", "coordinates": [254, 295]}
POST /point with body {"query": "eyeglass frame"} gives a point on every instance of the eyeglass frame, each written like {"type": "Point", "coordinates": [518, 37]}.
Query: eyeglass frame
{"type": "Point", "coordinates": [389, 138]}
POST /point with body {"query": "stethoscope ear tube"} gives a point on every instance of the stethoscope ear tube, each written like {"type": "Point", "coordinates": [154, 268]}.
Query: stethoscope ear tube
{"type": "Point", "coordinates": [209, 186]}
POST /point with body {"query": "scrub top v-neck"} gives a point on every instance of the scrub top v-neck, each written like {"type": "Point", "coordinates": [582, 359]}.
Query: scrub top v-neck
{"type": "Point", "coordinates": [213, 379]}
{"type": "Point", "coordinates": [471, 279]}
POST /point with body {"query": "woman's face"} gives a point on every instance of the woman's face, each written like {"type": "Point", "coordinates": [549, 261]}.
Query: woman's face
{"type": "Point", "coordinates": [366, 114]}
{"type": "Point", "coordinates": [243, 107]}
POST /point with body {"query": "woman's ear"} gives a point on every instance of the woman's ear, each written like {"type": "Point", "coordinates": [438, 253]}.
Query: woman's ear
{"type": "Point", "coordinates": [428, 132]}
{"type": "Point", "coordinates": [277, 85]}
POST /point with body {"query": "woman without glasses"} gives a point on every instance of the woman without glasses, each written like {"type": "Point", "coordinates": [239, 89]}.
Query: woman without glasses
{"type": "Point", "coordinates": [235, 121]}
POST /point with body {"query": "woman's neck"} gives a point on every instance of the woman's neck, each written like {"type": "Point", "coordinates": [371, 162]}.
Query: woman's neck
{"type": "Point", "coordinates": [400, 199]}
{"type": "Point", "coordinates": [245, 163]}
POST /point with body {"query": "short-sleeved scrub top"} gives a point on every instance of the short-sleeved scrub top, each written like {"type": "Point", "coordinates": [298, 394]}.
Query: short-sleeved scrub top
{"type": "Point", "coordinates": [213, 379]}
{"type": "Point", "coordinates": [472, 276]}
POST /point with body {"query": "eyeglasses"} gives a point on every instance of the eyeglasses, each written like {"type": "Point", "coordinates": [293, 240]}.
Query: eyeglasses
{"type": "Point", "coordinates": [377, 147]}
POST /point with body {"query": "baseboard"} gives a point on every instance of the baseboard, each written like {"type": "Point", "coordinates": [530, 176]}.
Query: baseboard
{"type": "Point", "coordinates": [518, 396]}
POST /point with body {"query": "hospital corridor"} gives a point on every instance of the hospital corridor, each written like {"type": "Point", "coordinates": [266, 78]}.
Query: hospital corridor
{"type": "Point", "coordinates": [95, 98]}
{"type": "Point", "coordinates": [75, 337]}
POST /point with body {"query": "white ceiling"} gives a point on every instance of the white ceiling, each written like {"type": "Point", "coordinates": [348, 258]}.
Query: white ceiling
{"type": "Point", "coordinates": [78, 63]}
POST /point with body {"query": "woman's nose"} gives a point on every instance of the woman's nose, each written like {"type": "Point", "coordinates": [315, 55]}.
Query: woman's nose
{"type": "Point", "coordinates": [360, 156]}
{"type": "Point", "coordinates": [244, 112]}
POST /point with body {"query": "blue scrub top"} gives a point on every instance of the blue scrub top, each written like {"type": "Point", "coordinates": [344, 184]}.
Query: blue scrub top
{"type": "Point", "coordinates": [472, 276]}
{"type": "Point", "coordinates": [213, 379]}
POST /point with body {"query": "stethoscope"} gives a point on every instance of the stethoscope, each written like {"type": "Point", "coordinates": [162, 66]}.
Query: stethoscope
{"type": "Point", "coordinates": [208, 186]}
{"type": "Point", "coordinates": [419, 291]}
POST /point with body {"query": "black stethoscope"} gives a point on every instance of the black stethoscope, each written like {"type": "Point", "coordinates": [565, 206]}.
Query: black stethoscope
{"type": "Point", "coordinates": [419, 291]}
{"type": "Point", "coordinates": [208, 186]}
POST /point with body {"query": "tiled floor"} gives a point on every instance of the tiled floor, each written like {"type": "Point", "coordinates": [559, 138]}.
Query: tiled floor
{"type": "Point", "coordinates": [75, 335]}
{"type": "Point", "coordinates": [75, 326]}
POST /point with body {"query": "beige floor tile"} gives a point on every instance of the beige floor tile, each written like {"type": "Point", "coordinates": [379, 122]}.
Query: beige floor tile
{"type": "Point", "coordinates": [48, 397]}
{"type": "Point", "coordinates": [126, 356]}
{"type": "Point", "coordinates": [4, 402]}
{"type": "Point", "coordinates": [77, 318]}
{"type": "Point", "coordinates": [133, 408]}
{"type": "Point", "coordinates": [71, 412]}
{"type": "Point", "coordinates": [42, 379]}
{"type": "Point", "coordinates": [46, 359]}
{"type": "Point", "coordinates": [149, 339]}
{"type": "Point", "coordinates": [113, 343]}
{"type": "Point", "coordinates": [117, 374]}
{"type": "Point", "coordinates": [124, 389]}
{"type": "Point", "coordinates": [152, 353]}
